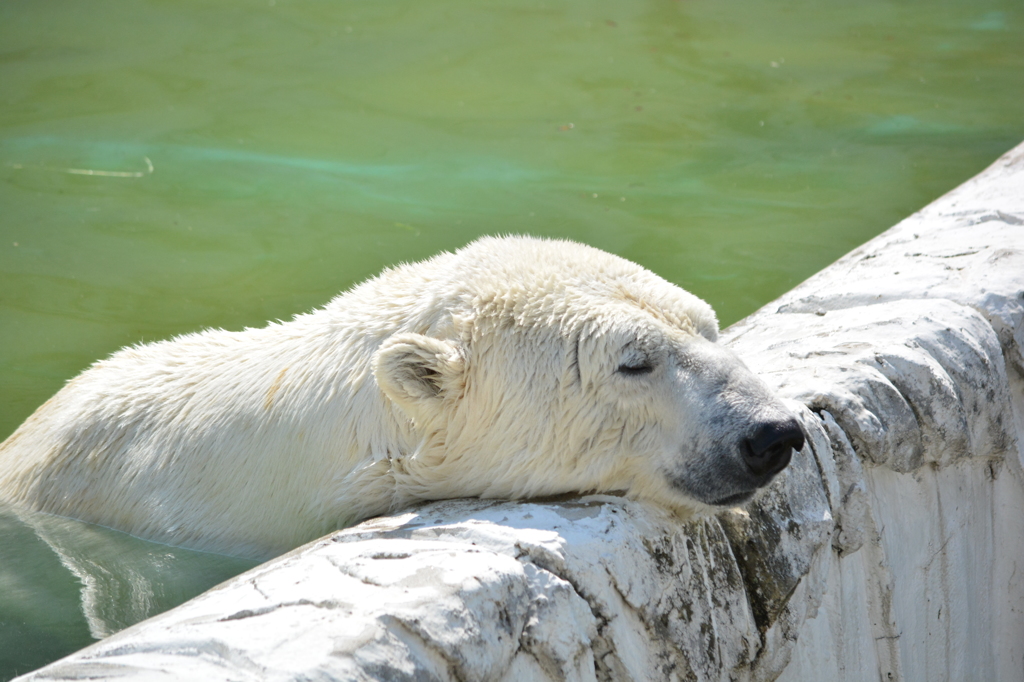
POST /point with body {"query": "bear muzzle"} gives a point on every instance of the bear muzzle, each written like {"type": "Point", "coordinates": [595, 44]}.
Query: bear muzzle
{"type": "Point", "coordinates": [766, 453]}
{"type": "Point", "coordinates": [732, 479]}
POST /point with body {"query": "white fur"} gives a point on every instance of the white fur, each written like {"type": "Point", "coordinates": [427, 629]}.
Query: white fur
{"type": "Point", "coordinates": [488, 372]}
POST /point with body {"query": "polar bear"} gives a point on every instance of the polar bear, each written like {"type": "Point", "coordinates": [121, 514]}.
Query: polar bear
{"type": "Point", "coordinates": [515, 367]}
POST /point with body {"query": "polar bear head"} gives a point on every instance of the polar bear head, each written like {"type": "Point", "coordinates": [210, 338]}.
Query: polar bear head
{"type": "Point", "coordinates": [544, 367]}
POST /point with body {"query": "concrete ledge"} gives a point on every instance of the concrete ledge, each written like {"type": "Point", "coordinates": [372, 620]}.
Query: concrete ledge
{"type": "Point", "coordinates": [891, 548]}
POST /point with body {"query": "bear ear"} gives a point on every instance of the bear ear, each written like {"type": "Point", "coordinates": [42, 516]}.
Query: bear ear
{"type": "Point", "coordinates": [418, 371]}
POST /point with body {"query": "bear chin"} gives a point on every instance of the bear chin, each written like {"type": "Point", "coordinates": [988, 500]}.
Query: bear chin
{"type": "Point", "coordinates": [737, 500]}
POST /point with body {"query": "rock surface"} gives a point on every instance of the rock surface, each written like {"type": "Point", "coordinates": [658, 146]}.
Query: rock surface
{"type": "Point", "coordinates": [890, 549]}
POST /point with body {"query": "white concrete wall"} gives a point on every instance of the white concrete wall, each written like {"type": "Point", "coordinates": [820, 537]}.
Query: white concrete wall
{"type": "Point", "coordinates": [891, 548]}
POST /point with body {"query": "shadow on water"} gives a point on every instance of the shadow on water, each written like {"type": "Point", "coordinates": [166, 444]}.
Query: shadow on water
{"type": "Point", "coordinates": [69, 583]}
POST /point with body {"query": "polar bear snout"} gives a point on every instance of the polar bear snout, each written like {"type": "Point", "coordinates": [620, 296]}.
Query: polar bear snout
{"type": "Point", "coordinates": [734, 479]}
{"type": "Point", "coordinates": [727, 477]}
{"type": "Point", "coordinates": [771, 447]}
{"type": "Point", "coordinates": [736, 436]}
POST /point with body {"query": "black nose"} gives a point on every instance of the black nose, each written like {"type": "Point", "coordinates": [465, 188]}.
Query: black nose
{"type": "Point", "coordinates": [771, 447]}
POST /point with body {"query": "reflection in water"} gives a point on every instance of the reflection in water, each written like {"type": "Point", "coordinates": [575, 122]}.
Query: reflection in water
{"type": "Point", "coordinates": [64, 583]}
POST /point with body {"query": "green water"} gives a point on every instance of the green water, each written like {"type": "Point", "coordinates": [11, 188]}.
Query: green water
{"type": "Point", "coordinates": [166, 166]}
{"type": "Point", "coordinates": [64, 583]}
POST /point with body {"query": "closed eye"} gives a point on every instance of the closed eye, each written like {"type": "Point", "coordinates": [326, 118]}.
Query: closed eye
{"type": "Point", "coordinates": [636, 368]}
